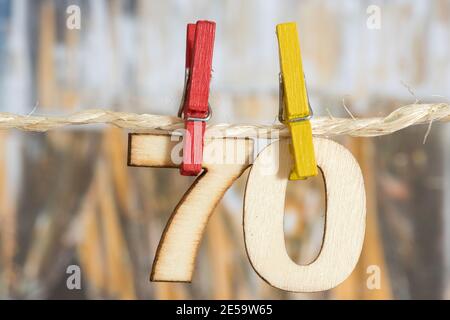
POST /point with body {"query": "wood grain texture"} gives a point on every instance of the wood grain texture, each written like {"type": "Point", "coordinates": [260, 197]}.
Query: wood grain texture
{"type": "Point", "coordinates": [193, 148]}
{"type": "Point", "coordinates": [197, 95]}
{"type": "Point", "coordinates": [224, 161]}
{"type": "Point", "coordinates": [360, 284]}
{"type": "Point", "coordinates": [296, 97]}
{"type": "Point", "coordinates": [190, 37]}
{"type": "Point", "coordinates": [199, 53]}
{"type": "Point", "coordinates": [344, 226]}
{"type": "Point", "coordinates": [296, 102]}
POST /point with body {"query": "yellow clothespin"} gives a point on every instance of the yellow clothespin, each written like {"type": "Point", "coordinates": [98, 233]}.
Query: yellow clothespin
{"type": "Point", "coordinates": [295, 111]}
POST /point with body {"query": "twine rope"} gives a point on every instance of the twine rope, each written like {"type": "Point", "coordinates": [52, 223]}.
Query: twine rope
{"type": "Point", "coordinates": [399, 119]}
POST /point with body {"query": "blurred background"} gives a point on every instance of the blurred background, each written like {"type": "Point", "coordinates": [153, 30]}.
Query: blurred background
{"type": "Point", "coordinates": [67, 197]}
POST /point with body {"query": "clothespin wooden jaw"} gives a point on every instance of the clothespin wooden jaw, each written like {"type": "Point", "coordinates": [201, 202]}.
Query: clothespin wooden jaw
{"type": "Point", "coordinates": [295, 111]}
{"type": "Point", "coordinates": [282, 106]}
{"type": "Point", "coordinates": [194, 107]}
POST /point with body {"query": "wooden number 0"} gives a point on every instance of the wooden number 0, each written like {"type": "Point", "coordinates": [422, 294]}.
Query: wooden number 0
{"type": "Point", "coordinates": [224, 161]}
{"type": "Point", "coordinates": [344, 220]}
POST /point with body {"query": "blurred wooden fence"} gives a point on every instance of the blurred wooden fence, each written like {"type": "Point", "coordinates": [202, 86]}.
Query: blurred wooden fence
{"type": "Point", "coordinates": [68, 197]}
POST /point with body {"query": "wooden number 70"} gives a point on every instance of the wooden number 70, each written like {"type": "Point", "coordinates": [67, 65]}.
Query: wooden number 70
{"type": "Point", "coordinates": [225, 159]}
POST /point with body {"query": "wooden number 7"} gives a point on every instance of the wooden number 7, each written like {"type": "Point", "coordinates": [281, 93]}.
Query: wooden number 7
{"type": "Point", "coordinates": [225, 159]}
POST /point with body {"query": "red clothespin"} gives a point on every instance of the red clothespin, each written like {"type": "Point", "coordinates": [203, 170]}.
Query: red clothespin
{"type": "Point", "coordinates": [195, 107]}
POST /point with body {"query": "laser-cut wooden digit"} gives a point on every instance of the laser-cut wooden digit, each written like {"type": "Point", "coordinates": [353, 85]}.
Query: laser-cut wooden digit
{"type": "Point", "coordinates": [344, 222]}
{"type": "Point", "coordinates": [224, 161]}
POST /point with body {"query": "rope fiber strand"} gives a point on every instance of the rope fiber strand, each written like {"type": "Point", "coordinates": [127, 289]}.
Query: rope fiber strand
{"type": "Point", "coordinates": [399, 119]}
